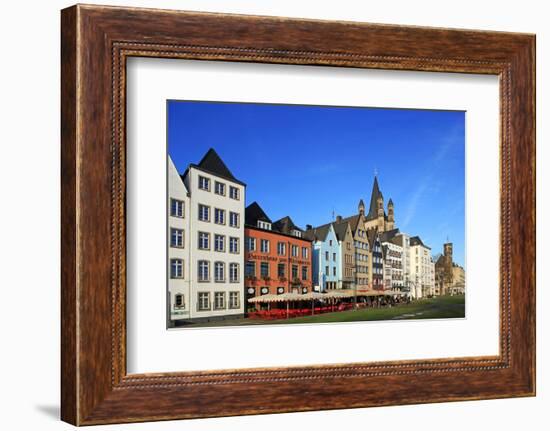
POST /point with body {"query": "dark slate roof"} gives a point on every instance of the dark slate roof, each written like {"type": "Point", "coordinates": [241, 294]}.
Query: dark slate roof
{"type": "Point", "coordinates": [397, 240]}
{"type": "Point", "coordinates": [317, 233]}
{"type": "Point", "coordinates": [371, 236]}
{"type": "Point", "coordinates": [415, 240]}
{"type": "Point", "coordinates": [340, 229]}
{"type": "Point", "coordinates": [390, 202]}
{"type": "Point", "coordinates": [213, 164]}
{"type": "Point", "coordinates": [254, 213]}
{"type": "Point", "coordinates": [285, 225]}
{"type": "Point", "coordinates": [373, 209]}
{"type": "Point", "coordinates": [388, 235]}
{"type": "Point", "coordinates": [320, 232]}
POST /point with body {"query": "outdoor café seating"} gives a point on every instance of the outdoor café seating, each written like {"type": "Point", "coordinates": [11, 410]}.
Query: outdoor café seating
{"type": "Point", "coordinates": [291, 305]}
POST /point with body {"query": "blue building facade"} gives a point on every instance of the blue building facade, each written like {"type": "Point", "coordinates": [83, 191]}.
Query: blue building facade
{"type": "Point", "coordinates": [326, 262]}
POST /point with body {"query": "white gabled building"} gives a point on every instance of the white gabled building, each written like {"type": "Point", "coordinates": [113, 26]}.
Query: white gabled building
{"type": "Point", "coordinates": [216, 234]}
{"type": "Point", "coordinates": [393, 260]}
{"type": "Point", "coordinates": [422, 271]}
{"type": "Point", "coordinates": [179, 299]}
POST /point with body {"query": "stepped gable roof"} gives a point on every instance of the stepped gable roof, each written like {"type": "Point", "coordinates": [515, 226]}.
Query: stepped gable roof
{"type": "Point", "coordinates": [376, 193]}
{"type": "Point", "coordinates": [285, 225]}
{"type": "Point", "coordinates": [353, 221]}
{"type": "Point", "coordinates": [415, 240]}
{"type": "Point", "coordinates": [212, 163]}
{"type": "Point", "coordinates": [254, 213]}
{"type": "Point", "coordinates": [388, 235]}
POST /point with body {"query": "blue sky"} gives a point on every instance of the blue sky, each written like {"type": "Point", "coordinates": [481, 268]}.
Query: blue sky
{"type": "Point", "coordinates": [310, 162]}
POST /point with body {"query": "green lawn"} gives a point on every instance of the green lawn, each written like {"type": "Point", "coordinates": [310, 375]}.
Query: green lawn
{"type": "Point", "coordinates": [443, 307]}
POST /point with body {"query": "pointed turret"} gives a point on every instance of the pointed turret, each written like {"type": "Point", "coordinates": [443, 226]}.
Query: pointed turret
{"type": "Point", "coordinates": [361, 207]}
{"type": "Point", "coordinates": [391, 216]}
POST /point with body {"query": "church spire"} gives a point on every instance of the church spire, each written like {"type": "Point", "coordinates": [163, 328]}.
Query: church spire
{"type": "Point", "coordinates": [375, 198]}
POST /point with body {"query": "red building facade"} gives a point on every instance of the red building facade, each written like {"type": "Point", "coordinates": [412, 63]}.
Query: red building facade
{"type": "Point", "coordinates": [277, 258]}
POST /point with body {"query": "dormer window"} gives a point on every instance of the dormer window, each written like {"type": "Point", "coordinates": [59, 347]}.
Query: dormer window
{"type": "Point", "coordinates": [297, 233]}
{"type": "Point", "coordinates": [264, 225]}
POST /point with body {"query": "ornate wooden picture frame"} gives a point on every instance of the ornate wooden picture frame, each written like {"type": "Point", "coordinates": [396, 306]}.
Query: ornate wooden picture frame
{"type": "Point", "coordinates": [96, 42]}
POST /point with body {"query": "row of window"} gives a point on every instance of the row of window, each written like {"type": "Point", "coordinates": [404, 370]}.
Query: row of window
{"type": "Point", "coordinates": [250, 270]}
{"type": "Point", "coordinates": [361, 257]}
{"type": "Point", "coordinates": [176, 271]}
{"type": "Point", "coordinates": [219, 271]}
{"type": "Point", "coordinates": [362, 233]}
{"type": "Point", "coordinates": [204, 301]}
{"type": "Point", "coordinates": [327, 256]}
{"type": "Point", "coordinates": [219, 216]}
{"type": "Point", "coordinates": [219, 187]}
{"type": "Point", "coordinates": [265, 247]}
{"type": "Point", "coordinates": [327, 271]}
{"type": "Point", "coordinates": [361, 245]}
{"type": "Point", "coordinates": [362, 269]}
{"type": "Point", "coordinates": [251, 291]}
{"type": "Point", "coordinates": [424, 260]}
{"type": "Point", "coordinates": [219, 242]}
{"type": "Point", "coordinates": [394, 253]}
{"type": "Point", "coordinates": [177, 209]}
{"type": "Point", "coordinates": [264, 225]}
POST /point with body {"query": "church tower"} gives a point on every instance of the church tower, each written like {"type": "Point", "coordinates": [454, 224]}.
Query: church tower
{"type": "Point", "coordinates": [380, 212]}
{"type": "Point", "coordinates": [448, 250]}
{"type": "Point", "coordinates": [376, 216]}
{"type": "Point", "coordinates": [361, 207]}
{"type": "Point", "coordinates": [391, 220]}
{"type": "Point", "coordinates": [448, 274]}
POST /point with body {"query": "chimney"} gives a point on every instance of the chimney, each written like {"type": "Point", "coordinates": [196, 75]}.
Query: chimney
{"type": "Point", "coordinates": [338, 218]}
{"type": "Point", "coordinates": [309, 227]}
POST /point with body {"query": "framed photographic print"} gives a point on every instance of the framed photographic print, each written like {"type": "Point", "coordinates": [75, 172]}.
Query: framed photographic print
{"type": "Point", "coordinates": [322, 214]}
{"type": "Point", "coordinates": [334, 269]}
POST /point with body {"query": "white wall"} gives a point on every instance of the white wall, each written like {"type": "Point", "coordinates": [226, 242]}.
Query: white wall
{"type": "Point", "coordinates": [29, 160]}
{"type": "Point", "coordinates": [177, 190]}
{"type": "Point", "coordinates": [212, 200]}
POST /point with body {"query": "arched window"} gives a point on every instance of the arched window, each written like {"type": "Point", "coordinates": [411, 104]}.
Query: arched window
{"type": "Point", "coordinates": [179, 301]}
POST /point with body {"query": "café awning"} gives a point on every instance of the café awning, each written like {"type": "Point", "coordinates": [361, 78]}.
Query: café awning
{"type": "Point", "coordinates": [341, 293]}
{"type": "Point", "coordinates": [287, 297]}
